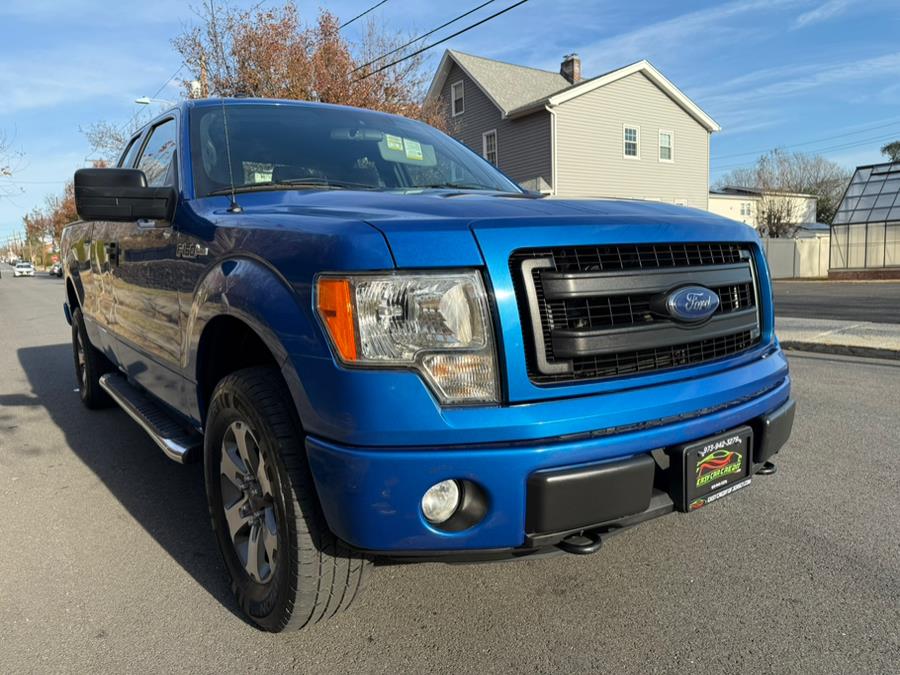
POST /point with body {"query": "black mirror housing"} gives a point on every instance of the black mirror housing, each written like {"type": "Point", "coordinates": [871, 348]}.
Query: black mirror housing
{"type": "Point", "coordinates": [121, 195]}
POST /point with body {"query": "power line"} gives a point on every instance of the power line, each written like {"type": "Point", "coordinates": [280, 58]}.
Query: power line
{"type": "Point", "coordinates": [359, 16]}
{"type": "Point", "coordinates": [424, 35]}
{"type": "Point", "coordinates": [818, 140]}
{"type": "Point", "coordinates": [843, 146]}
{"type": "Point", "coordinates": [441, 41]}
{"type": "Point", "coordinates": [155, 94]}
{"type": "Point", "coordinates": [15, 181]}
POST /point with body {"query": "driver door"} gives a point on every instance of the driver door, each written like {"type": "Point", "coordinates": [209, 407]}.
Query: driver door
{"type": "Point", "coordinates": [143, 273]}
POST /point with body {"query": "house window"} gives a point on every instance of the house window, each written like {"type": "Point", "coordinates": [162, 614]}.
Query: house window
{"type": "Point", "coordinates": [632, 137]}
{"type": "Point", "coordinates": [666, 146]}
{"type": "Point", "coordinates": [745, 208]}
{"type": "Point", "coordinates": [457, 99]}
{"type": "Point", "coordinates": [489, 146]}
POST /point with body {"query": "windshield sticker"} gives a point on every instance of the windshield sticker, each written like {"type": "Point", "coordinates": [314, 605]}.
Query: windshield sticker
{"type": "Point", "coordinates": [413, 149]}
{"type": "Point", "coordinates": [393, 142]}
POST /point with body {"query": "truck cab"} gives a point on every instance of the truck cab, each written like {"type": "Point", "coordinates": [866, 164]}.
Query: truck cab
{"type": "Point", "coordinates": [381, 347]}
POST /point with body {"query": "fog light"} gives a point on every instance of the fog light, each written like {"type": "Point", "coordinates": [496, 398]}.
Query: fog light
{"type": "Point", "coordinates": [441, 501]}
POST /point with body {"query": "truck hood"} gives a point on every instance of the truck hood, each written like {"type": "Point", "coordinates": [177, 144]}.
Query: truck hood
{"type": "Point", "coordinates": [435, 228]}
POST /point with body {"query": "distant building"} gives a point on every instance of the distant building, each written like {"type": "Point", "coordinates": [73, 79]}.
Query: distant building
{"type": "Point", "coordinates": [629, 133]}
{"type": "Point", "coordinates": [743, 204]}
{"type": "Point", "coordinates": [865, 233]}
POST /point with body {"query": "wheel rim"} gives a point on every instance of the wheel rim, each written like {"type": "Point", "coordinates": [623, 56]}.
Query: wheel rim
{"type": "Point", "coordinates": [79, 355]}
{"type": "Point", "coordinates": [248, 502]}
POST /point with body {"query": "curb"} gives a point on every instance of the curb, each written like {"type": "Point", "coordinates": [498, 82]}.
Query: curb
{"type": "Point", "coordinates": [845, 350]}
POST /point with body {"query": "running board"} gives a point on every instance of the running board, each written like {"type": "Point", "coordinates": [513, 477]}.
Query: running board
{"type": "Point", "coordinates": [180, 444]}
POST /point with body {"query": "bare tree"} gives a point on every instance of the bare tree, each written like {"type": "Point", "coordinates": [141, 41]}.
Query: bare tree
{"type": "Point", "coordinates": [107, 140]}
{"type": "Point", "coordinates": [778, 174]}
{"type": "Point", "coordinates": [9, 159]}
{"type": "Point", "coordinates": [892, 150]}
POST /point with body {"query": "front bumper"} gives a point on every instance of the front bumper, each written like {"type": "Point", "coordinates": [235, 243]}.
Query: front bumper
{"type": "Point", "coordinates": [371, 496]}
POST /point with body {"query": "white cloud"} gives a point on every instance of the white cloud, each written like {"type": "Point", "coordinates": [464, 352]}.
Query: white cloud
{"type": "Point", "coordinates": [698, 28]}
{"type": "Point", "coordinates": [72, 74]}
{"type": "Point", "coordinates": [790, 81]}
{"type": "Point", "coordinates": [823, 12]}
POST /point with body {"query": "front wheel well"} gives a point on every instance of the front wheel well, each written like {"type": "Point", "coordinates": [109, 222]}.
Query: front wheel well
{"type": "Point", "coordinates": [227, 345]}
{"type": "Point", "coordinates": [72, 295]}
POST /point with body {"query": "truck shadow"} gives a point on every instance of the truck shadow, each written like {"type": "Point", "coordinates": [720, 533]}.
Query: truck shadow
{"type": "Point", "coordinates": [165, 498]}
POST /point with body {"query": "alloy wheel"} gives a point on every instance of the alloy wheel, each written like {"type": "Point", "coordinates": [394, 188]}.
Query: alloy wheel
{"type": "Point", "coordinates": [248, 502]}
{"type": "Point", "coordinates": [82, 366]}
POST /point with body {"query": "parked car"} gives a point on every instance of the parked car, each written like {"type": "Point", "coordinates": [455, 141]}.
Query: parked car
{"type": "Point", "coordinates": [56, 270]}
{"type": "Point", "coordinates": [23, 269]}
{"type": "Point", "coordinates": [379, 346]}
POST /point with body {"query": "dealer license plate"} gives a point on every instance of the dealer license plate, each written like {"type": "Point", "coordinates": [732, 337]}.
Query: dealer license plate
{"type": "Point", "coordinates": [715, 467]}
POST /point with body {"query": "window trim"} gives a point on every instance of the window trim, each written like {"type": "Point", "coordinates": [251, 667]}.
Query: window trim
{"type": "Point", "coordinates": [453, 111]}
{"type": "Point", "coordinates": [134, 141]}
{"type": "Point", "coordinates": [671, 134]}
{"type": "Point", "coordinates": [484, 156]}
{"type": "Point", "coordinates": [637, 141]}
{"type": "Point", "coordinates": [147, 132]}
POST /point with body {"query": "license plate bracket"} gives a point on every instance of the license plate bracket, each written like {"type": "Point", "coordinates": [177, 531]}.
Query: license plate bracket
{"type": "Point", "coordinates": [706, 470]}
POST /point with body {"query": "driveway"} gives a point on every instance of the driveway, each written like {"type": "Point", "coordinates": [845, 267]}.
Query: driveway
{"type": "Point", "coordinates": [107, 562]}
{"type": "Point", "coordinates": [878, 301]}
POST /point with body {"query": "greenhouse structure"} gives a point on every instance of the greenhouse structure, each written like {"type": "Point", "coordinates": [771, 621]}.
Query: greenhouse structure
{"type": "Point", "coordinates": [865, 232]}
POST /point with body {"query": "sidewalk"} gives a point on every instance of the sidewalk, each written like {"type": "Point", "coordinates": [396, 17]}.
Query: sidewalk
{"type": "Point", "coordinates": [860, 338]}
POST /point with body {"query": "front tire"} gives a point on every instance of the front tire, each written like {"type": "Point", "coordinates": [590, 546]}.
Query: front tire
{"type": "Point", "coordinates": [287, 569]}
{"type": "Point", "coordinates": [90, 364]}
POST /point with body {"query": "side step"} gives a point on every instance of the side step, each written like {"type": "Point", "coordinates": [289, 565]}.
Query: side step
{"type": "Point", "coordinates": [179, 444]}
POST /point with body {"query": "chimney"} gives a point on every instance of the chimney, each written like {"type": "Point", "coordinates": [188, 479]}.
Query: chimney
{"type": "Point", "coordinates": [570, 68]}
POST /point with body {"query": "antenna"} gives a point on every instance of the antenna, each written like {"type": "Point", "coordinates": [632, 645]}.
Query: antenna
{"type": "Point", "coordinates": [234, 207]}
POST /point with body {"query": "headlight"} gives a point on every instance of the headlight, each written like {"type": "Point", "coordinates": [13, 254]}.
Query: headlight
{"type": "Point", "coordinates": [438, 324]}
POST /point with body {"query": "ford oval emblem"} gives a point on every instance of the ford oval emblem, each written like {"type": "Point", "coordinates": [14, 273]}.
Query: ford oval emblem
{"type": "Point", "coordinates": [692, 303]}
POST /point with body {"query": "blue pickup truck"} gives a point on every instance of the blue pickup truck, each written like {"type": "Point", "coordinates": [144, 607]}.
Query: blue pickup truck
{"type": "Point", "coordinates": [381, 348]}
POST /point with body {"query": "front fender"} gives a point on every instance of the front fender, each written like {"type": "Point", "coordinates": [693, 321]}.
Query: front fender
{"type": "Point", "coordinates": [249, 290]}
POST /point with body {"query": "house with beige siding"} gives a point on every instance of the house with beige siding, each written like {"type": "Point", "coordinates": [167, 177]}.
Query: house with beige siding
{"type": "Point", "coordinates": [626, 134]}
{"type": "Point", "coordinates": [749, 205]}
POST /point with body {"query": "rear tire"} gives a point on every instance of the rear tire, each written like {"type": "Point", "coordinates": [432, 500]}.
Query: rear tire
{"type": "Point", "coordinates": [287, 569]}
{"type": "Point", "coordinates": [90, 364]}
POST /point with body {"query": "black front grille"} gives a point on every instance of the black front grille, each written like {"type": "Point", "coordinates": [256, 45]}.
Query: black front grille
{"type": "Point", "coordinates": [606, 294]}
{"type": "Point", "coordinates": [637, 256]}
{"type": "Point", "coordinates": [633, 309]}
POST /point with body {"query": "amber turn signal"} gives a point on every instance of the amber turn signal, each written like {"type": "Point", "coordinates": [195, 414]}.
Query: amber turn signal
{"type": "Point", "coordinates": [336, 309]}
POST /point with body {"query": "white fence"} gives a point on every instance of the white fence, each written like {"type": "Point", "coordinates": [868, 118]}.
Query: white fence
{"type": "Point", "coordinates": [797, 258]}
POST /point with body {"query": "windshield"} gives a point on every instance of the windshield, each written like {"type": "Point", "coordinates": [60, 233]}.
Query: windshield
{"type": "Point", "coordinates": [300, 147]}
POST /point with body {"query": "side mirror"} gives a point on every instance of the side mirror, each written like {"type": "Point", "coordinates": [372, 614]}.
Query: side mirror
{"type": "Point", "coordinates": [122, 195]}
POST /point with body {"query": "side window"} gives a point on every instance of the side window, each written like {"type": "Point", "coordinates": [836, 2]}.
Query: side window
{"type": "Point", "coordinates": [457, 99]}
{"type": "Point", "coordinates": [158, 159]}
{"type": "Point", "coordinates": [489, 146]}
{"type": "Point", "coordinates": [666, 146]}
{"type": "Point", "coordinates": [632, 139]}
{"type": "Point", "coordinates": [127, 159]}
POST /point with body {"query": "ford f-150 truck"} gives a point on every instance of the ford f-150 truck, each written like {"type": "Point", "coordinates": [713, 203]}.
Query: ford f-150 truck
{"type": "Point", "coordinates": [380, 347]}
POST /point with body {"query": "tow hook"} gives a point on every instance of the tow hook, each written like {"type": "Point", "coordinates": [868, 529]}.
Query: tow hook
{"type": "Point", "coordinates": [583, 543]}
{"type": "Point", "coordinates": [768, 469]}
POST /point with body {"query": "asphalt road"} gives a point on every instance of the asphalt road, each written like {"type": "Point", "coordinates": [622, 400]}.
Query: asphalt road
{"type": "Point", "coordinates": [841, 300]}
{"type": "Point", "coordinates": [107, 563]}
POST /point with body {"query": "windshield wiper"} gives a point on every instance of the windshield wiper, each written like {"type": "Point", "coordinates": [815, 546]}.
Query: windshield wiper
{"type": "Point", "coordinates": [455, 186]}
{"type": "Point", "coordinates": [296, 183]}
{"type": "Point", "coordinates": [327, 182]}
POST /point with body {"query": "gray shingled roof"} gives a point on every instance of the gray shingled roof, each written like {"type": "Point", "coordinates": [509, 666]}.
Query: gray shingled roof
{"type": "Point", "coordinates": [511, 86]}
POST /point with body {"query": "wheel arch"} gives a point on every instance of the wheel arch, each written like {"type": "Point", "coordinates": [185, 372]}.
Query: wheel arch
{"type": "Point", "coordinates": [243, 314]}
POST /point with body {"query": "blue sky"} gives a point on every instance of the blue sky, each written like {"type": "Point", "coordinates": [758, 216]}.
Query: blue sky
{"type": "Point", "coordinates": [822, 73]}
